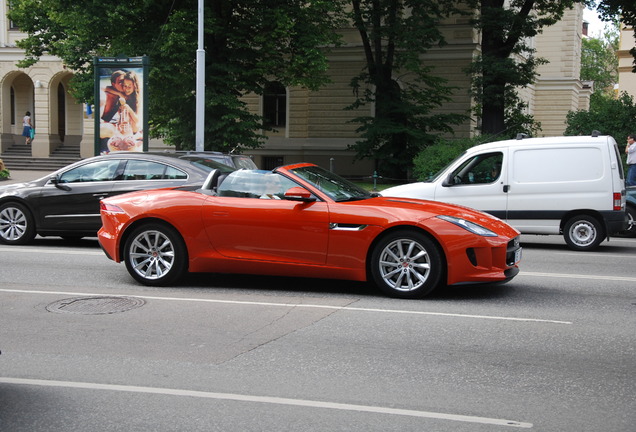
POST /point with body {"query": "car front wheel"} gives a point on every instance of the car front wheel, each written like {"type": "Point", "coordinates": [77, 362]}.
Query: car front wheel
{"type": "Point", "coordinates": [155, 254]}
{"type": "Point", "coordinates": [16, 224]}
{"type": "Point", "coordinates": [583, 233]}
{"type": "Point", "coordinates": [406, 264]}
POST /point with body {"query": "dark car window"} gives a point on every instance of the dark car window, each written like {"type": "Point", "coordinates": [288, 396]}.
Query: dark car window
{"type": "Point", "coordinates": [481, 169]}
{"type": "Point", "coordinates": [243, 162]}
{"type": "Point", "coordinates": [91, 172]}
{"type": "Point", "coordinates": [148, 170]}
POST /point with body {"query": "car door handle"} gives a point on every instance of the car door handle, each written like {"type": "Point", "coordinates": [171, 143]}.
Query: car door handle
{"type": "Point", "coordinates": [506, 188]}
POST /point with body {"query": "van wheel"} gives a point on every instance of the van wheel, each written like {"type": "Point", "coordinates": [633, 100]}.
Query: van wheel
{"type": "Point", "coordinates": [583, 233]}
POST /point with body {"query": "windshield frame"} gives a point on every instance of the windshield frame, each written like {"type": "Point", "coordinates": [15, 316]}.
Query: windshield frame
{"type": "Point", "coordinates": [438, 174]}
{"type": "Point", "coordinates": [330, 184]}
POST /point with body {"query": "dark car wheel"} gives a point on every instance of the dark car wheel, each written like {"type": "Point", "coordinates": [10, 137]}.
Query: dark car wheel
{"type": "Point", "coordinates": [155, 254]}
{"type": "Point", "coordinates": [16, 224]}
{"type": "Point", "coordinates": [631, 223]}
{"type": "Point", "coordinates": [583, 233]}
{"type": "Point", "coordinates": [406, 264]}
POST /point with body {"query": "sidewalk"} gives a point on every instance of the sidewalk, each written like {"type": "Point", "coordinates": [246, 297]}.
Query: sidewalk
{"type": "Point", "coordinates": [19, 176]}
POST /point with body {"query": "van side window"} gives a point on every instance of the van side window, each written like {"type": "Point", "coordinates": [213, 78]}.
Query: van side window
{"type": "Point", "coordinates": [481, 169]}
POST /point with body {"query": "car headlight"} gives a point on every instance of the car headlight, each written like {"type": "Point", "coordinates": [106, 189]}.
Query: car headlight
{"type": "Point", "coordinates": [468, 226]}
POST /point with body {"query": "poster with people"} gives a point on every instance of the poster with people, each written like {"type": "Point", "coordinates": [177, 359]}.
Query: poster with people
{"type": "Point", "coordinates": [120, 121]}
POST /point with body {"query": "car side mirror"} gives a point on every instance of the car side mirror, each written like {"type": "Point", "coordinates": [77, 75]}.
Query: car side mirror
{"type": "Point", "coordinates": [299, 194]}
{"type": "Point", "coordinates": [58, 184]}
{"type": "Point", "coordinates": [448, 181]}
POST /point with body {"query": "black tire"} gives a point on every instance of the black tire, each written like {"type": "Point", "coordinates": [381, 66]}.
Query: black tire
{"type": "Point", "coordinates": [155, 254]}
{"type": "Point", "coordinates": [583, 233]}
{"type": "Point", "coordinates": [16, 224]}
{"type": "Point", "coordinates": [406, 264]}
{"type": "Point", "coordinates": [631, 223]}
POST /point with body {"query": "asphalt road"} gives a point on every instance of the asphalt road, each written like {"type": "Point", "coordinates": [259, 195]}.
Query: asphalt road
{"type": "Point", "coordinates": [554, 350]}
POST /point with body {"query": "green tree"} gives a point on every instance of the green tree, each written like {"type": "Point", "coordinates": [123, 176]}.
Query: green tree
{"type": "Point", "coordinates": [507, 60]}
{"type": "Point", "coordinates": [610, 116]}
{"type": "Point", "coordinates": [609, 10]}
{"type": "Point", "coordinates": [599, 62]}
{"type": "Point", "coordinates": [403, 91]}
{"type": "Point", "coordinates": [247, 43]}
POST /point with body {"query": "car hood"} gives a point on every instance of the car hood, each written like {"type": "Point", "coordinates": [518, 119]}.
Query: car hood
{"type": "Point", "coordinates": [416, 210]}
{"type": "Point", "coordinates": [421, 190]}
{"type": "Point", "coordinates": [11, 189]}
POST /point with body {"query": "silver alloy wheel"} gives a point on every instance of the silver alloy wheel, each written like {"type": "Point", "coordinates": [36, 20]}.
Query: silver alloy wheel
{"type": "Point", "coordinates": [404, 265]}
{"type": "Point", "coordinates": [583, 233]}
{"type": "Point", "coordinates": [13, 223]}
{"type": "Point", "coordinates": [631, 223]}
{"type": "Point", "coordinates": [151, 254]}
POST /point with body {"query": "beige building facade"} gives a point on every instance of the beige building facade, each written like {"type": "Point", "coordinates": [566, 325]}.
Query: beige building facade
{"type": "Point", "coordinates": [626, 76]}
{"type": "Point", "coordinates": [313, 125]}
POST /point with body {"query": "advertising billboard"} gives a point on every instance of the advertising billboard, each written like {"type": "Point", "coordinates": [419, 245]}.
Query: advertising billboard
{"type": "Point", "coordinates": [121, 122]}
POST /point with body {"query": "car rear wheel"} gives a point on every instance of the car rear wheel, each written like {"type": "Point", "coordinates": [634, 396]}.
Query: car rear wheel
{"type": "Point", "coordinates": [583, 233]}
{"type": "Point", "coordinates": [16, 224]}
{"type": "Point", "coordinates": [155, 254]}
{"type": "Point", "coordinates": [406, 264]}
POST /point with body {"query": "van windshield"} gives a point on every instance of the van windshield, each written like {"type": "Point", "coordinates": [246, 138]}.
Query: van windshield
{"type": "Point", "coordinates": [433, 177]}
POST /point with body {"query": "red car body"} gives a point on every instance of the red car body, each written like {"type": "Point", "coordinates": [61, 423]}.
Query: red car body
{"type": "Point", "coordinates": [307, 231]}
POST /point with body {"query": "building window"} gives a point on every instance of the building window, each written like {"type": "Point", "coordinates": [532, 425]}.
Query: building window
{"type": "Point", "coordinates": [271, 162]}
{"type": "Point", "coordinates": [275, 105]}
{"type": "Point", "coordinates": [12, 106]}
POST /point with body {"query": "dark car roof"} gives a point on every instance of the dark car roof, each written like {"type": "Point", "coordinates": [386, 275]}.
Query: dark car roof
{"type": "Point", "coordinates": [196, 165]}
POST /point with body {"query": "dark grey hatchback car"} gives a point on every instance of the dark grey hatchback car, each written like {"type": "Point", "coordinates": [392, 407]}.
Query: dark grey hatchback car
{"type": "Point", "coordinates": [66, 202]}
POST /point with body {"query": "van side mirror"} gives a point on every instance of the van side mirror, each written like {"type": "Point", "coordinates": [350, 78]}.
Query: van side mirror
{"type": "Point", "coordinates": [451, 180]}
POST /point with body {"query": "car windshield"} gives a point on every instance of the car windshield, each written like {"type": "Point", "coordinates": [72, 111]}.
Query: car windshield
{"type": "Point", "coordinates": [207, 163]}
{"type": "Point", "coordinates": [337, 188]}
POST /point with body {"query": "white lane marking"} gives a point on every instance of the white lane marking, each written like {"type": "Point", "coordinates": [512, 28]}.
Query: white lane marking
{"type": "Point", "coordinates": [268, 400]}
{"type": "Point", "coordinates": [291, 305]}
{"type": "Point", "coordinates": [41, 250]}
{"type": "Point", "coordinates": [576, 276]}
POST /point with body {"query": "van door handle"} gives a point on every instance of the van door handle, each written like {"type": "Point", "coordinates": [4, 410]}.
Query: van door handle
{"type": "Point", "coordinates": [506, 188]}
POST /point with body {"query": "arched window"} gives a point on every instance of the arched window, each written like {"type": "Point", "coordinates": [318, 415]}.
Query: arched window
{"type": "Point", "coordinates": [12, 106]}
{"type": "Point", "coordinates": [61, 111]}
{"type": "Point", "coordinates": [275, 105]}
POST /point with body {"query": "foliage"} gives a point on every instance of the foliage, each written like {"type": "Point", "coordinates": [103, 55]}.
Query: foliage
{"type": "Point", "coordinates": [432, 159]}
{"type": "Point", "coordinates": [610, 116]}
{"type": "Point", "coordinates": [599, 62]}
{"type": "Point", "coordinates": [626, 10]}
{"type": "Point", "coordinates": [4, 174]}
{"type": "Point", "coordinates": [507, 59]}
{"type": "Point", "coordinates": [401, 89]}
{"type": "Point", "coordinates": [247, 43]}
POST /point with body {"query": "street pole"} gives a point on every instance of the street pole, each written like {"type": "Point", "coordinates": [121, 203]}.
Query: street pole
{"type": "Point", "coordinates": [200, 89]}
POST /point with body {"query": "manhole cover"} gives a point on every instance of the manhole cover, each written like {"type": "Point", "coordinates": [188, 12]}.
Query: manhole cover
{"type": "Point", "coordinates": [95, 305]}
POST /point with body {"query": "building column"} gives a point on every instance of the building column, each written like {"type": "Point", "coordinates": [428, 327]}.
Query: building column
{"type": "Point", "coordinates": [41, 147]}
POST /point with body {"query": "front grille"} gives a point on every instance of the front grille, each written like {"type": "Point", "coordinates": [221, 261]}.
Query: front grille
{"type": "Point", "coordinates": [513, 251]}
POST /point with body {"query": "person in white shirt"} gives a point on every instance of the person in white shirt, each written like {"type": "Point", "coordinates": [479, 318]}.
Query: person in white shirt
{"type": "Point", "coordinates": [631, 160]}
{"type": "Point", "coordinates": [27, 126]}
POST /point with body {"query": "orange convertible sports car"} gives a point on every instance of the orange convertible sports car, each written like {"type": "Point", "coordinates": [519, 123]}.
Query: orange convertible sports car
{"type": "Point", "coordinates": [302, 220]}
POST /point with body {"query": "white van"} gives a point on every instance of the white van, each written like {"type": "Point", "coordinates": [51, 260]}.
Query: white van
{"type": "Point", "coordinates": [573, 186]}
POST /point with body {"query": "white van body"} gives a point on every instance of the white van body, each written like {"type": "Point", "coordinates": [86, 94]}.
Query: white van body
{"type": "Point", "coordinates": [573, 186]}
